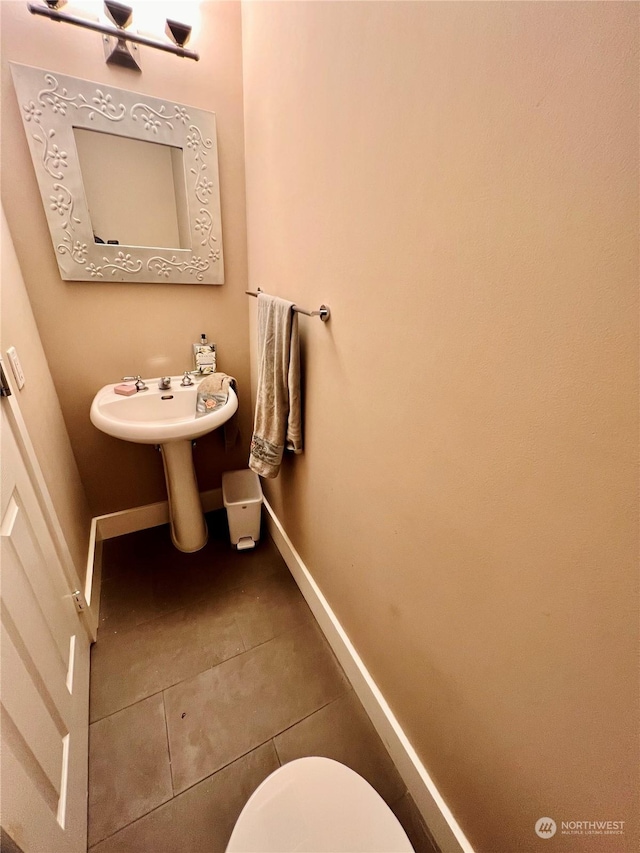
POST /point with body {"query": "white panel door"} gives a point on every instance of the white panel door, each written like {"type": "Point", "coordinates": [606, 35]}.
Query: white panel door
{"type": "Point", "coordinates": [44, 675]}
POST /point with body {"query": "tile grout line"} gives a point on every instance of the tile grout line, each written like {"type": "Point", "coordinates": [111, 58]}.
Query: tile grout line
{"type": "Point", "coordinates": [125, 707]}
{"type": "Point", "coordinates": [320, 708]}
{"type": "Point", "coordinates": [271, 740]}
{"type": "Point", "coordinates": [166, 730]}
{"type": "Point", "coordinates": [175, 683]}
{"type": "Point", "coordinates": [231, 657]}
{"type": "Point", "coordinates": [186, 790]}
{"type": "Point", "coordinates": [264, 742]}
{"type": "Point", "coordinates": [240, 634]}
{"type": "Point", "coordinates": [228, 764]}
{"type": "Point", "coordinates": [282, 633]}
{"type": "Point", "coordinates": [275, 749]}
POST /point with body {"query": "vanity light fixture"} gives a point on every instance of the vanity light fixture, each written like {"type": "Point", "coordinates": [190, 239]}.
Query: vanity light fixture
{"type": "Point", "coordinates": [177, 32]}
{"type": "Point", "coordinates": [120, 45]}
{"type": "Point", "coordinates": [116, 49]}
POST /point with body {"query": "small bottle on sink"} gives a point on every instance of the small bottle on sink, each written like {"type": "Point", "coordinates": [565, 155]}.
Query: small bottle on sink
{"type": "Point", "coordinates": [204, 356]}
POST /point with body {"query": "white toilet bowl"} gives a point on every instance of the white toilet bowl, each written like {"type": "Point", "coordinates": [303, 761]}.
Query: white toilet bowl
{"type": "Point", "coordinates": [319, 806]}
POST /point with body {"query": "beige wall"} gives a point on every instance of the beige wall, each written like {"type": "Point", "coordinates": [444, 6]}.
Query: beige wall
{"type": "Point", "coordinates": [40, 408]}
{"type": "Point", "coordinates": [459, 183]}
{"type": "Point", "coordinates": [95, 333]}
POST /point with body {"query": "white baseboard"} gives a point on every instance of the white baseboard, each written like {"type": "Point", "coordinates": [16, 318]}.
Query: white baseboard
{"type": "Point", "coordinates": [94, 570]}
{"type": "Point", "coordinates": [437, 815]}
{"type": "Point", "coordinates": [129, 521]}
{"type": "Point", "coordinates": [150, 515]}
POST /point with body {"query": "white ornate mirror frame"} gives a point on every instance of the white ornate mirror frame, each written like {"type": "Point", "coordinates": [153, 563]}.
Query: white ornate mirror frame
{"type": "Point", "coordinates": [52, 105]}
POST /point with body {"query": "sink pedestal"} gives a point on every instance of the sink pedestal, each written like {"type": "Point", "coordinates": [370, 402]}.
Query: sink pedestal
{"type": "Point", "coordinates": [188, 529]}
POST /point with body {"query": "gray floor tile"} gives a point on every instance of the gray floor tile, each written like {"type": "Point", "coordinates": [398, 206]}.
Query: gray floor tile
{"type": "Point", "coordinates": [144, 576]}
{"type": "Point", "coordinates": [269, 606]}
{"type": "Point", "coordinates": [202, 818]}
{"type": "Point", "coordinates": [127, 667]}
{"type": "Point", "coordinates": [132, 551]}
{"type": "Point", "coordinates": [124, 605]}
{"type": "Point", "coordinates": [179, 623]}
{"type": "Point", "coordinates": [129, 771]}
{"type": "Point", "coordinates": [343, 731]}
{"type": "Point", "coordinates": [217, 568]}
{"type": "Point", "coordinates": [226, 711]}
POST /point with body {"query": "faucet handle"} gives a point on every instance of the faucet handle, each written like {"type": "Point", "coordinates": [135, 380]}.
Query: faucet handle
{"type": "Point", "coordinates": [140, 385]}
{"type": "Point", "coordinates": [186, 379]}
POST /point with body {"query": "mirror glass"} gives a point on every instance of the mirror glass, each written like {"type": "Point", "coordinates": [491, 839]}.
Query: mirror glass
{"type": "Point", "coordinates": [135, 190]}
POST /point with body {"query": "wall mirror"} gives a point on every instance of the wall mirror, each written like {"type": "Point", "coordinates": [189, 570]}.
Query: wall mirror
{"type": "Point", "coordinates": [129, 183]}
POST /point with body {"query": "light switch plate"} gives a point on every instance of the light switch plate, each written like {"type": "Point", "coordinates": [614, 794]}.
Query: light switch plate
{"type": "Point", "coordinates": [16, 366]}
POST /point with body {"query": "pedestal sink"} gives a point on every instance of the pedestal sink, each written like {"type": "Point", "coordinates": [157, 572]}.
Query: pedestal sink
{"type": "Point", "coordinates": [166, 417]}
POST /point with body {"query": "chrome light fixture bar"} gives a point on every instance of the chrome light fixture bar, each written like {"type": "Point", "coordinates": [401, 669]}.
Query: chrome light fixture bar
{"type": "Point", "coordinates": [119, 33]}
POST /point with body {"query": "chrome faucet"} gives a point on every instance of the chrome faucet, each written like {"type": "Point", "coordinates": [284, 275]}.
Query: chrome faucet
{"type": "Point", "coordinates": [140, 385]}
{"type": "Point", "coordinates": [164, 383]}
{"type": "Point", "coordinates": [186, 379]}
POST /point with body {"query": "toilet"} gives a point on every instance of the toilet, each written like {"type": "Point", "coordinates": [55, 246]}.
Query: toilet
{"type": "Point", "coordinates": [316, 804]}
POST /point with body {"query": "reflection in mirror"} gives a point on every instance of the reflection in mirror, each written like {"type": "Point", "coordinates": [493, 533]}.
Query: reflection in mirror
{"type": "Point", "coordinates": [135, 190]}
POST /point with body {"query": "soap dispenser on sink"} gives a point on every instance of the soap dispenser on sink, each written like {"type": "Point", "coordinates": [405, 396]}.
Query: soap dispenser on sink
{"type": "Point", "coordinates": [204, 356]}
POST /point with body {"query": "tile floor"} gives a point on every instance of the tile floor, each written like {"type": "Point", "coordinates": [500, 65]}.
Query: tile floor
{"type": "Point", "coordinates": [209, 672]}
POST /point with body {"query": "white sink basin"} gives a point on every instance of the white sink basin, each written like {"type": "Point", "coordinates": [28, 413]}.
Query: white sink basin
{"type": "Point", "coordinates": [155, 416]}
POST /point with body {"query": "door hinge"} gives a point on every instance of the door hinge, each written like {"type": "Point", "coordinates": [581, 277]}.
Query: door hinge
{"type": "Point", "coordinates": [5, 391]}
{"type": "Point", "coordinates": [79, 601]}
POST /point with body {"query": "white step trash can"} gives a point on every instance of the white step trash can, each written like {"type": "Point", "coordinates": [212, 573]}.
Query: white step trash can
{"type": "Point", "coordinates": [242, 496]}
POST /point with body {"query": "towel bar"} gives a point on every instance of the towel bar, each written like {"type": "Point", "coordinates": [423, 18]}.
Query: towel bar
{"type": "Point", "coordinates": [324, 311]}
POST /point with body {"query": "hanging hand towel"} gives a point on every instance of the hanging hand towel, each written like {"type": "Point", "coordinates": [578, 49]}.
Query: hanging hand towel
{"type": "Point", "coordinates": [277, 419]}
